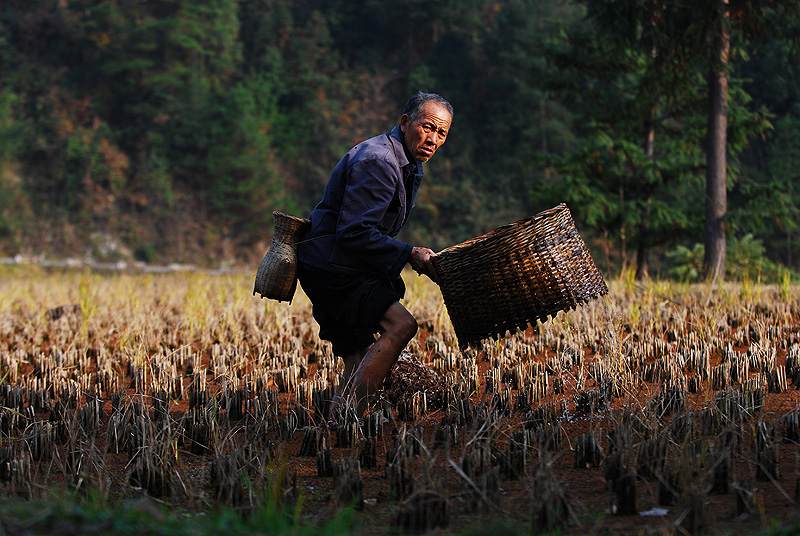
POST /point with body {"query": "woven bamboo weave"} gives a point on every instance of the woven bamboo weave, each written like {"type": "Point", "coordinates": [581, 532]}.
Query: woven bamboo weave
{"type": "Point", "coordinates": [277, 275]}
{"type": "Point", "coordinates": [517, 274]}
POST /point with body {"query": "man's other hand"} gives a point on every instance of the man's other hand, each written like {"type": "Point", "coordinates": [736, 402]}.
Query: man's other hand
{"type": "Point", "coordinates": [420, 261]}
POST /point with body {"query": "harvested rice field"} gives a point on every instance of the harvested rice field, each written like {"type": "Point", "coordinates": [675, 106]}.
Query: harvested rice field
{"type": "Point", "coordinates": [662, 408]}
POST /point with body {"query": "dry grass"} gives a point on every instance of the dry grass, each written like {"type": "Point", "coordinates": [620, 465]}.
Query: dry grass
{"type": "Point", "coordinates": [190, 389]}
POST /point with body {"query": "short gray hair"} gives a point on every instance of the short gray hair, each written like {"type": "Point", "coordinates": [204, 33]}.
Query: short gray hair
{"type": "Point", "coordinates": [419, 99]}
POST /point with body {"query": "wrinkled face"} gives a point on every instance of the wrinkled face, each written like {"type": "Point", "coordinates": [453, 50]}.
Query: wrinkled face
{"type": "Point", "coordinates": [426, 132]}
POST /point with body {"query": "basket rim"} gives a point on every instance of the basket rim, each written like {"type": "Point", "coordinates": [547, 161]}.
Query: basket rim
{"type": "Point", "coordinates": [505, 229]}
{"type": "Point", "coordinates": [279, 214]}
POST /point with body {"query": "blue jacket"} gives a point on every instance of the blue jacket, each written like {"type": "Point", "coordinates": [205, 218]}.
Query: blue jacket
{"type": "Point", "coordinates": [366, 202]}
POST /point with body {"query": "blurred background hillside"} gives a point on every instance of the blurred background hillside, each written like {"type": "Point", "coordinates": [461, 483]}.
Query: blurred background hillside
{"type": "Point", "coordinates": [169, 130]}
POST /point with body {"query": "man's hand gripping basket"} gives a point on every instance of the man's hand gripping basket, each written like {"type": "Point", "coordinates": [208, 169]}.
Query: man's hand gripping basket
{"type": "Point", "coordinates": [521, 272]}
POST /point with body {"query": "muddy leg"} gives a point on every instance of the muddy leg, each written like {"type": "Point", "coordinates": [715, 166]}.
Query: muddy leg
{"type": "Point", "coordinates": [398, 327]}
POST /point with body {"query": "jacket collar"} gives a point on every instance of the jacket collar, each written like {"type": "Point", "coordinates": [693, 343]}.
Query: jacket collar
{"type": "Point", "coordinates": [401, 153]}
{"type": "Point", "coordinates": [400, 147]}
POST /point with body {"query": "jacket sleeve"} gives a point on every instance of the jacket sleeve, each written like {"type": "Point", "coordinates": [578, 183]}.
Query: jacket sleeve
{"type": "Point", "coordinates": [372, 213]}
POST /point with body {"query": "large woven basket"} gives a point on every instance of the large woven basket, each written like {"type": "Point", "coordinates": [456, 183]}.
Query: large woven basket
{"type": "Point", "coordinates": [277, 275]}
{"type": "Point", "coordinates": [515, 275]}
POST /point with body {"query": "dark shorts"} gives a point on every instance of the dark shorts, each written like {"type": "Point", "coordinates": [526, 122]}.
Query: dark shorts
{"type": "Point", "coordinates": [347, 307]}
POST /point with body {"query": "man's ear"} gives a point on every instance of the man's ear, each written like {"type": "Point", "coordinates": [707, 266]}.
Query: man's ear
{"type": "Point", "coordinates": [404, 121]}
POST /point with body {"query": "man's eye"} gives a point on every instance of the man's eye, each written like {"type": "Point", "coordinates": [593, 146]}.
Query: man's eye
{"type": "Point", "coordinates": [427, 128]}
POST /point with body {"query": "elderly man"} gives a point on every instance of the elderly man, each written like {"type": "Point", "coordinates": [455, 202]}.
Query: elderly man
{"type": "Point", "coordinates": [350, 260]}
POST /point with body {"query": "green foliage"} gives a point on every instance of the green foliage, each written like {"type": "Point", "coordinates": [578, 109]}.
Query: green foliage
{"type": "Point", "coordinates": [634, 160]}
{"type": "Point", "coordinates": [767, 201]}
{"type": "Point", "coordinates": [494, 527]}
{"type": "Point", "coordinates": [242, 160]}
{"type": "Point", "coordinates": [745, 261]}
{"type": "Point", "coordinates": [179, 125]}
{"type": "Point", "coordinates": [14, 210]}
{"type": "Point", "coordinates": [9, 129]}
{"type": "Point", "coordinates": [687, 264]}
{"type": "Point", "coordinates": [95, 517]}
{"type": "Point", "coordinates": [637, 74]}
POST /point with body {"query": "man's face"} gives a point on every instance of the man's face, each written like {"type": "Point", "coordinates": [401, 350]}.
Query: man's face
{"type": "Point", "coordinates": [427, 132]}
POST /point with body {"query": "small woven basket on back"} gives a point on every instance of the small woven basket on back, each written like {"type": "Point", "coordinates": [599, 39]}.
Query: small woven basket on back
{"type": "Point", "coordinates": [277, 275]}
{"type": "Point", "coordinates": [515, 275]}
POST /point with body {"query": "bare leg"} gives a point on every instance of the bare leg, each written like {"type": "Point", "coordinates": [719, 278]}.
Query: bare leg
{"type": "Point", "coordinates": [351, 362]}
{"type": "Point", "coordinates": [398, 327]}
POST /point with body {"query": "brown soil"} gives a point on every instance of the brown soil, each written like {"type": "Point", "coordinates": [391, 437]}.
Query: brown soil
{"type": "Point", "coordinates": [585, 490]}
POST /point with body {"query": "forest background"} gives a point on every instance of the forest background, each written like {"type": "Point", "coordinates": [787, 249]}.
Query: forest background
{"type": "Point", "coordinates": [169, 130]}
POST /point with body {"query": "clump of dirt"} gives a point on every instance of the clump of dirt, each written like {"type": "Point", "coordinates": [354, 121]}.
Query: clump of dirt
{"type": "Point", "coordinates": [409, 377]}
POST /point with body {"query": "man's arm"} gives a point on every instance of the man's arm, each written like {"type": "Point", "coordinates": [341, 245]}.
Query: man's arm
{"type": "Point", "coordinates": [365, 220]}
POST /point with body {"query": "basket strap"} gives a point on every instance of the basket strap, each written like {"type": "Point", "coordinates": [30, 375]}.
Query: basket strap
{"type": "Point", "coordinates": [312, 239]}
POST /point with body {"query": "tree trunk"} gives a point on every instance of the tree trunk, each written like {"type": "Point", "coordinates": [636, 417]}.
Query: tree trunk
{"type": "Point", "coordinates": [716, 190]}
{"type": "Point", "coordinates": [643, 248]}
